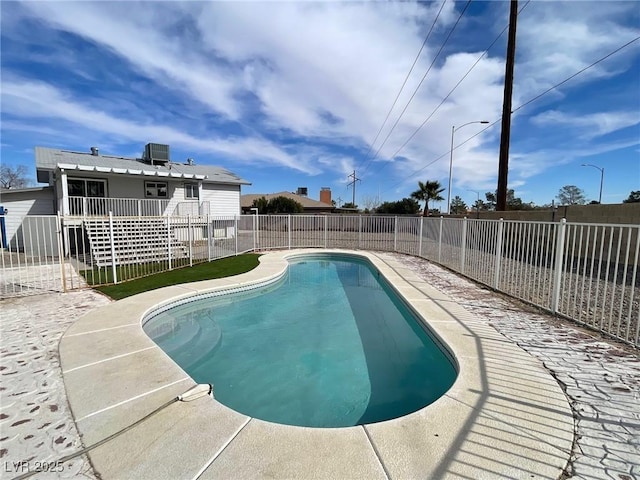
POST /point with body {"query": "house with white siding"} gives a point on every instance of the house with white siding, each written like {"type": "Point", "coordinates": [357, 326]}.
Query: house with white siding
{"type": "Point", "coordinates": [90, 184]}
{"type": "Point", "coordinates": [17, 203]}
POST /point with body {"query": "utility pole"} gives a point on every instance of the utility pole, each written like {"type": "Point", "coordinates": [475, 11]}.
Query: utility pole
{"type": "Point", "coordinates": [503, 162]}
{"type": "Point", "coordinates": [353, 182]}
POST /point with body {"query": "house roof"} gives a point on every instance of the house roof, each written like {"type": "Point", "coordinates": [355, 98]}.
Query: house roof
{"type": "Point", "coordinates": [53, 159]}
{"type": "Point", "coordinates": [308, 203]}
{"type": "Point", "coordinates": [5, 191]}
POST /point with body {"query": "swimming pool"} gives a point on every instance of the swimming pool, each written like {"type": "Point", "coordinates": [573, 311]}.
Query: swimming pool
{"type": "Point", "coordinates": [328, 345]}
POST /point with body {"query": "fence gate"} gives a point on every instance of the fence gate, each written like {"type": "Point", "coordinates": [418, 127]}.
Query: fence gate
{"type": "Point", "coordinates": [31, 261]}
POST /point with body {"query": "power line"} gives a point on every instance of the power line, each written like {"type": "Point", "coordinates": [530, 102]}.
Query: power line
{"type": "Point", "coordinates": [415, 132]}
{"type": "Point", "coordinates": [516, 109]}
{"type": "Point", "coordinates": [403, 84]}
{"type": "Point", "coordinates": [446, 40]}
{"type": "Point", "coordinates": [576, 74]}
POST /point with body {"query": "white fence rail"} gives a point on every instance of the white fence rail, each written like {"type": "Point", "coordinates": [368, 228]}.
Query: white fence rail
{"type": "Point", "coordinates": [586, 272]}
{"type": "Point", "coordinates": [100, 206]}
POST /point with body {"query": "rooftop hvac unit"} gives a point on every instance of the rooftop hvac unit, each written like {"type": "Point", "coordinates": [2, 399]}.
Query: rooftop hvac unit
{"type": "Point", "coordinates": [156, 153]}
{"type": "Point", "coordinates": [302, 191]}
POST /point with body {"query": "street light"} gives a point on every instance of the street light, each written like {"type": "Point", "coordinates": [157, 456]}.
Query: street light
{"type": "Point", "coordinates": [453, 130]}
{"type": "Point", "coordinates": [601, 179]}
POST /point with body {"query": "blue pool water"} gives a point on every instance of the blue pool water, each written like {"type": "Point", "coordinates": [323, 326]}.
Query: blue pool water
{"type": "Point", "coordinates": [329, 345]}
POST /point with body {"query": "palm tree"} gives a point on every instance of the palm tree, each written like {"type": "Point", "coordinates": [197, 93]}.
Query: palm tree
{"type": "Point", "coordinates": [430, 190]}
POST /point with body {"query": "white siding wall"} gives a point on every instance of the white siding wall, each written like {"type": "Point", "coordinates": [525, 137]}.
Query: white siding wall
{"type": "Point", "coordinates": [224, 199]}
{"type": "Point", "coordinates": [176, 191]}
{"type": "Point", "coordinates": [122, 186]}
{"type": "Point", "coordinates": [20, 204]}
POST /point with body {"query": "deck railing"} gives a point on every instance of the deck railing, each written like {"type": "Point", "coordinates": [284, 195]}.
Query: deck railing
{"type": "Point", "coordinates": [119, 207]}
{"type": "Point", "coordinates": [586, 272]}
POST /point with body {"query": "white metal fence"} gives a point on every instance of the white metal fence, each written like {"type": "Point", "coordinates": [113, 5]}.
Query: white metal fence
{"type": "Point", "coordinates": [586, 272]}
{"type": "Point", "coordinates": [94, 206]}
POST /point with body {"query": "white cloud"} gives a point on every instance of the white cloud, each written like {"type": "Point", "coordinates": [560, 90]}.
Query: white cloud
{"type": "Point", "coordinates": [590, 125]}
{"type": "Point", "coordinates": [300, 60]}
{"type": "Point", "coordinates": [325, 73]}
{"type": "Point", "coordinates": [556, 39]}
{"type": "Point", "coordinates": [23, 98]}
{"type": "Point", "coordinates": [138, 33]}
{"type": "Point", "coordinates": [526, 165]}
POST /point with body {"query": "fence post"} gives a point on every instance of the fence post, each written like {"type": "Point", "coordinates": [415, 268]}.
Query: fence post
{"type": "Point", "coordinates": [463, 245]}
{"type": "Point", "coordinates": [208, 236]}
{"type": "Point", "coordinates": [326, 229]}
{"type": "Point", "coordinates": [255, 228]}
{"type": "Point", "coordinates": [395, 234]}
{"type": "Point", "coordinates": [113, 249]}
{"type": "Point", "coordinates": [190, 237]}
{"type": "Point", "coordinates": [60, 253]}
{"type": "Point", "coordinates": [420, 239]}
{"type": "Point", "coordinates": [557, 273]}
{"type": "Point", "coordinates": [498, 255]}
{"type": "Point", "coordinates": [440, 241]}
{"type": "Point", "coordinates": [289, 229]}
{"type": "Point", "coordinates": [169, 240]}
{"type": "Point", "coordinates": [235, 231]}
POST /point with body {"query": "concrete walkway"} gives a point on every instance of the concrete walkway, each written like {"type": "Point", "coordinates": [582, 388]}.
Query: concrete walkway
{"type": "Point", "coordinates": [601, 378]}
{"type": "Point", "coordinates": [36, 426]}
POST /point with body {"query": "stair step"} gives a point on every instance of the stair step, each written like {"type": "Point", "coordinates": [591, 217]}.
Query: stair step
{"type": "Point", "coordinates": [134, 241]}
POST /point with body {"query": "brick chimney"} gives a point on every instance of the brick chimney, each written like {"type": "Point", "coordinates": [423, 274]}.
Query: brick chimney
{"type": "Point", "coordinates": [325, 195]}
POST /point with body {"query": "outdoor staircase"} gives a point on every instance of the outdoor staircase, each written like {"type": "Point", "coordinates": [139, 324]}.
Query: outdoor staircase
{"type": "Point", "coordinates": [135, 240]}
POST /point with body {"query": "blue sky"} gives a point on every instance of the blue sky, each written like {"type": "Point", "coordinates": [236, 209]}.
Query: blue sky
{"type": "Point", "coordinates": [292, 94]}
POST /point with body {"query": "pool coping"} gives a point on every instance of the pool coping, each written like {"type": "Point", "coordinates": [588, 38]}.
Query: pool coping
{"type": "Point", "coordinates": [505, 415]}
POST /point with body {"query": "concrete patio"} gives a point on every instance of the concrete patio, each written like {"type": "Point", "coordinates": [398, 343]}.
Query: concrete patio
{"type": "Point", "coordinates": [506, 417]}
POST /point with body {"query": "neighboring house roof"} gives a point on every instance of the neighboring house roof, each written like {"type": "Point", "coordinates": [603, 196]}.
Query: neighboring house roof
{"type": "Point", "coordinates": [246, 201]}
{"type": "Point", "coordinates": [5, 191]}
{"type": "Point", "coordinates": [50, 159]}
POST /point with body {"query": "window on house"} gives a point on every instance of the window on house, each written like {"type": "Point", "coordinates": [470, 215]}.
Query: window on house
{"type": "Point", "coordinates": [191, 191]}
{"type": "Point", "coordinates": [155, 189]}
{"type": "Point", "coordinates": [82, 187]}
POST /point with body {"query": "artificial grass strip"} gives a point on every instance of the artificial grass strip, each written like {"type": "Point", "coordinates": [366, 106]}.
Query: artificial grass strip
{"type": "Point", "coordinates": [224, 267]}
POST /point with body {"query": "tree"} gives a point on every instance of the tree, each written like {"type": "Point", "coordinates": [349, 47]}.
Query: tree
{"type": "Point", "coordinates": [261, 204]}
{"type": "Point", "coordinates": [430, 190]}
{"type": "Point", "coordinates": [513, 202]}
{"type": "Point", "coordinates": [479, 205]}
{"type": "Point", "coordinates": [571, 195]}
{"type": "Point", "coordinates": [370, 203]}
{"type": "Point", "coordinates": [279, 204]}
{"type": "Point", "coordinates": [458, 206]}
{"type": "Point", "coordinates": [490, 204]}
{"type": "Point", "coordinates": [405, 206]}
{"type": "Point", "coordinates": [349, 205]}
{"type": "Point", "coordinates": [13, 177]}
{"type": "Point", "coordinates": [634, 197]}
